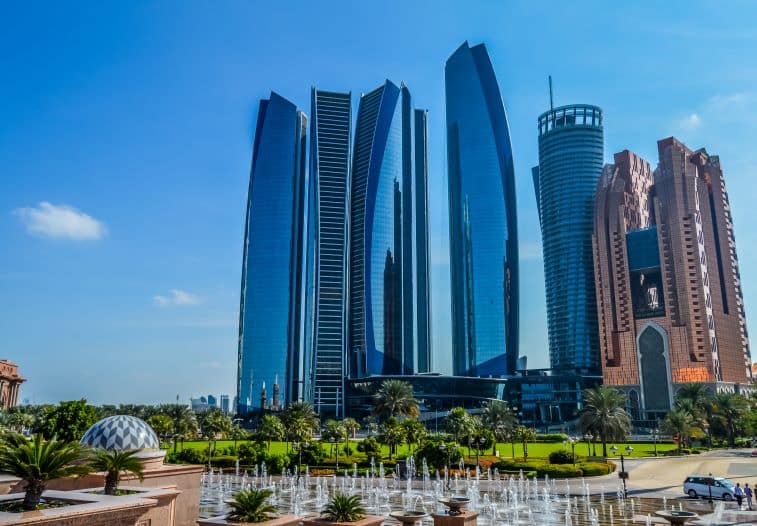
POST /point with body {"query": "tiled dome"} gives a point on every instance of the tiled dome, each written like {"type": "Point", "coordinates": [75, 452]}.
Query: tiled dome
{"type": "Point", "coordinates": [121, 432]}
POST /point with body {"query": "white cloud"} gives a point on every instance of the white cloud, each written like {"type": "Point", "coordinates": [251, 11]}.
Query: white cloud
{"type": "Point", "coordinates": [176, 297]}
{"type": "Point", "coordinates": [690, 122]}
{"type": "Point", "coordinates": [61, 221]}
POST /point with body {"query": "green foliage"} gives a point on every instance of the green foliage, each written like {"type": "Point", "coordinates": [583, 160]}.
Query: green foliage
{"type": "Point", "coordinates": [604, 415]}
{"type": "Point", "coordinates": [551, 437]}
{"type": "Point", "coordinates": [251, 505]}
{"type": "Point", "coordinates": [213, 423]}
{"type": "Point", "coordinates": [395, 398]}
{"type": "Point", "coordinates": [192, 456]}
{"type": "Point", "coordinates": [678, 422]}
{"type": "Point", "coordinates": [114, 463]}
{"type": "Point", "coordinates": [351, 425]}
{"type": "Point", "coordinates": [392, 435]}
{"type": "Point", "coordinates": [370, 447]}
{"type": "Point", "coordinates": [594, 469]}
{"type": "Point", "coordinates": [68, 421]}
{"type": "Point", "coordinates": [300, 421]}
{"type": "Point", "coordinates": [37, 461]}
{"type": "Point", "coordinates": [728, 408]}
{"type": "Point", "coordinates": [524, 435]}
{"type": "Point", "coordinates": [560, 457]}
{"type": "Point", "coordinates": [436, 456]}
{"type": "Point", "coordinates": [413, 431]}
{"type": "Point", "coordinates": [499, 419]}
{"type": "Point", "coordinates": [312, 454]}
{"type": "Point", "coordinates": [161, 424]}
{"type": "Point", "coordinates": [250, 453]}
{"type": "Point", "coordinates": [344, 508]}
{"type": "Point", "coordinates": [276, 463]}
{"type": "Point", "coordinates": [459, 423]}
{"type": "Point", "coordinates": [271, 428]}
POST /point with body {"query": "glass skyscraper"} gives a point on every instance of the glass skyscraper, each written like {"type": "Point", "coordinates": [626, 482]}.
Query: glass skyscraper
{"type": "Point", "coordinates": [326, 306]}
{"type": "Point", "coordinates": [271, 331]}
{"type": "Point", "coordinates": [384, 216]}
{"type": "Point", "coordinates": [571, 154]}
{"type": "Point", "coordinates": [482, 218]}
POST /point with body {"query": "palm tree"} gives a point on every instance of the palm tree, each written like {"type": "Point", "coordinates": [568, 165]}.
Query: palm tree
{"type": "Point", "coordinates": [113, 463]}
{"type": "Point", "coordinates": [697, 395]}
{"type": "Point", "coordinates": [184, 421]}
{"type": "Point", "coordinates": [351, 425]}
{"type": "Point", "coordinates": [392, 434]}
{"type": "Point", "coordinates": [524, 435]}
{"type": "Point", "coordinates": [270, 429]}
{"type": "Point", "coordinates": [500, 420]}
{"type": "Point", "coordinates": [459, 423]}
{"type": "Point", "coordinates": [604, 412]}
{"type": "Point", "coordinates": [250, 505]}
{"type": "Point", "coordinates": [300, 421]}
{"type": "Point", "coordinates": [395, 398]}
{"type": "Point", "coordinates": [38, 461]}
{"type": "Point", "coordinates": [678, 422]}
{"type": "Point", "coordinates": [729, 407]}
{"type": "Point", "coordinates": [212, 423]}
{"type": "Point", "coordinates": [161, 424]}
{"type": "Point", "coordinates": [334, 432]}
{"type": "Point", "coordinates": [344, 508]}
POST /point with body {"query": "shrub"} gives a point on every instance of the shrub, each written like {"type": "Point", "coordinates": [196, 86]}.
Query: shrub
{"type": "Point", "coordinates": [560, 457]}
{"type": "Point", "coordinates": [223, 461]}
{"type": "Point", "coordinates": [344, 508]}
{"type": "Point", "coordinates": [347, 449]}
{"type": "Point", "coordinates": [192, 456]}
{"type": "Point", "coordinates": [276, 463]}
{"type": "Point", "coordinates": [559, 471]}
{"type": "Point", "coordinates": [593, 469]}
{"type": "Point", "coordinates": [250, 505]}
{"type": "Point", "coordinates": [431, 451]}
{"type": "Point", "coordinates": [250, 453]}
{"type": "Point", "coordinates": [370, 447]}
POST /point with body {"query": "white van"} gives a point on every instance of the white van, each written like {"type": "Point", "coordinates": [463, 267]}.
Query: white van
{"type": "Point", "coordinates": [696, 486]}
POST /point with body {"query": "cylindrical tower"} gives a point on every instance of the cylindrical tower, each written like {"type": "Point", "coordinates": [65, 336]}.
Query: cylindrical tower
{"type": "Point", "coordinates": [571, 154]}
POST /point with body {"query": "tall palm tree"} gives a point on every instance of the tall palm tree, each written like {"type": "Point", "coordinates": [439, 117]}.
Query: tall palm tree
{"type": "Point", "coordinates": [679, 422]}
{"type": "Point", "coordinates": [351, 425]}
{"type": "Point", "coordinates": [38, 461]}
{"type": "Point", "coordinates": [459, 423]}
{"type": "Point", "coordinates": [114, 463]}
{"type": "Point", "coordinates": [604, 412]}
{"type": "Point", "coordinates": [395, 398]}
{"type": "Point", "coordinates": [524, 435]}
{"type": "Point", "coordinates": [300, 421]}
{"type": "Point", "coordinates": [500, 420]}
{"type": "Point", "coordinates": [271, 428]}
{"type": "Point", "coordinates": [729, 407]}
{"type": "Point", "coordinates": [697, 395]}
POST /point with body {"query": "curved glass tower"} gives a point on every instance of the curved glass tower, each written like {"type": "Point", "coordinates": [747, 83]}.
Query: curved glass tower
{"type": "Point", "coordinates": [571, 153]}
{"type": "Point", "coordinates": [383, 240]}
{"type": "Point", "coordinates": [482, 218]}
{"type": "Point", "coordinates": [270, 313]}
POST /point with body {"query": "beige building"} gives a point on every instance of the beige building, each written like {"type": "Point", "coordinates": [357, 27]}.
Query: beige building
{"type": "Point", "coordinates": [10, 384]}
{"type": "Point", "coordinates": [668, 290]}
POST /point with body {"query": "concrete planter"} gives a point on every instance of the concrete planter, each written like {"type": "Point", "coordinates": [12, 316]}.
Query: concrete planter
{"type": "Point", "coordinates": [281, 520]}
{"type": "Point", "coordinates": [369, 520]}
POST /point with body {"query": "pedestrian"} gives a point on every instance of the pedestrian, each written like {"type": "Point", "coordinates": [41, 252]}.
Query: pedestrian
{"type": "Point", "coordinates": [748, 495]}
{"type": "Point", "coordinates": [738, 492]}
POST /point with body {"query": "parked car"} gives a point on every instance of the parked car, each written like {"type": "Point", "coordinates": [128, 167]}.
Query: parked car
{"type": "Point", "coordinates": [754, 452]}
{"type": "Point", "coordinates": [696, 486]}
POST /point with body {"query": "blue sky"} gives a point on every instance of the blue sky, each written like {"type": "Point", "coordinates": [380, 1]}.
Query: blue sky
{"type": "Point", "coordinates": [126, 134]}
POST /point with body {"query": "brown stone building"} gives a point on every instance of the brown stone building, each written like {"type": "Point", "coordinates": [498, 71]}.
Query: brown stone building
{"type": "Point", "coordinates": [667, 279]}
{"type": "Point", "coordinates": [10, 384]}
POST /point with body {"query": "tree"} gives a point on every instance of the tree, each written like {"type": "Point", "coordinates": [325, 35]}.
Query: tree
{"type": "Point", "coordinates": [68, 421]}
{"type": "Point", "coordinates": [17, 421]}
{"type": "Point", "coordinates": [392, 435]}
{"type": "Point", "coordinates": [300, 421]}
{"type": "Point", "coordinates": [212, 423]}
{"type": "Point", "coordinates": [500, 420]}
{"type": "Point", "coordinates": [678, 422]}
{"type": "Point", "coordinates": [459, 423]}
{"type": "Point", "coordinates": [414, 432]}
{"type": "Point", "coordinates": [38, 461]}
{"type": "Point", "coordinates": [270, 429]}
{"type": "Point", "coordinates": [334, 432]}
{"type": "Point", "coordinates": [728, 408]}
{"type": "Point", "coordinates": [184, 421]}
{"type": "Point", "coordinates": [114, 463]}
{"type": "Point", "coordinates": [161, 424]}
{"type": "Point", "coordinates": [604, 413]}
{"type": "Point", "coordinates": [524, 435]}
{"type": "Point", "coordinates": [395, 399]}
{"type": "Point", "coordinates": [351, 425]}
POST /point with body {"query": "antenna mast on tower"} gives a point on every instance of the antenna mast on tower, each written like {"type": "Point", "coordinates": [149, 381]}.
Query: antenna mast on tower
{"type": "Point", "coordinates": [551, 105]}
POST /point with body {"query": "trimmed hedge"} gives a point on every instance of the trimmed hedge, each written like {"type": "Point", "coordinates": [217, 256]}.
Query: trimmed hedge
{"type": "Point", "coordinates": [551, 437]}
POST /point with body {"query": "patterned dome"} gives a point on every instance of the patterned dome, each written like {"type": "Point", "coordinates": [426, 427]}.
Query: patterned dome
{"type": "Point", "coordinates": [121, 432]}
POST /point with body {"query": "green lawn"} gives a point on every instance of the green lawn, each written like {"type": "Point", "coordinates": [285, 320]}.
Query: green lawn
{"type": "Point", "coordinates": [535, 450]}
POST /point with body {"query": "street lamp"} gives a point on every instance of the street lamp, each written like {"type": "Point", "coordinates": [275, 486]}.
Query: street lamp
{"type": "Point", "coordinates": [299, 446]}
{"type": "Point", "coordinates": [623, 474]}
{"type": "Point", "coordinates": [572, 441]}
{"type": "Point", "coordinates": [588, 438]}
{"type": "Point", "coordinates": [477, 443]}
{"type": "Point", "coordinates": [333, 440]}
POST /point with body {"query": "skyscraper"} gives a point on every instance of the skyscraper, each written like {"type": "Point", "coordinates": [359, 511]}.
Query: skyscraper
{"type": "Point", "coordinates": [383, 235]}
{"type": "Point", "coordinates": [271, 330]}
{"type": "Point", "coordinates": [422, 290]}
{"type": "Point", "coordinates": [571, 154]}
{"type": "Point", "coordinates": [482, 218]}
{"type": "Point", "coordinates": [669, 296]}
{"type": "Point", "coordinates": [326, 308]}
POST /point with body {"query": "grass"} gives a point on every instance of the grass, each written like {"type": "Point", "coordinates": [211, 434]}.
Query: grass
{"type": "Point", "coordinates": [535, 450]}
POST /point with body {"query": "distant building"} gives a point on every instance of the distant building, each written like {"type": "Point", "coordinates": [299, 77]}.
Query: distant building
{"type": "Point", "coordinates": [668, 295]}
{"type": "Point", "coordinates": [271, 328]}
{"type": "Point", "coordinates": [10, 384]}
{"type": "Point", "coordinates": [483, 229]}
{"type": "Point", "coordinates": [199, 404]}
{"type": "Point", "coordinates": [225, 404]}
{"type": "Point", "coordinates": [571, 155]}
{"type": "Point", "coordinates": [212, 402]}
